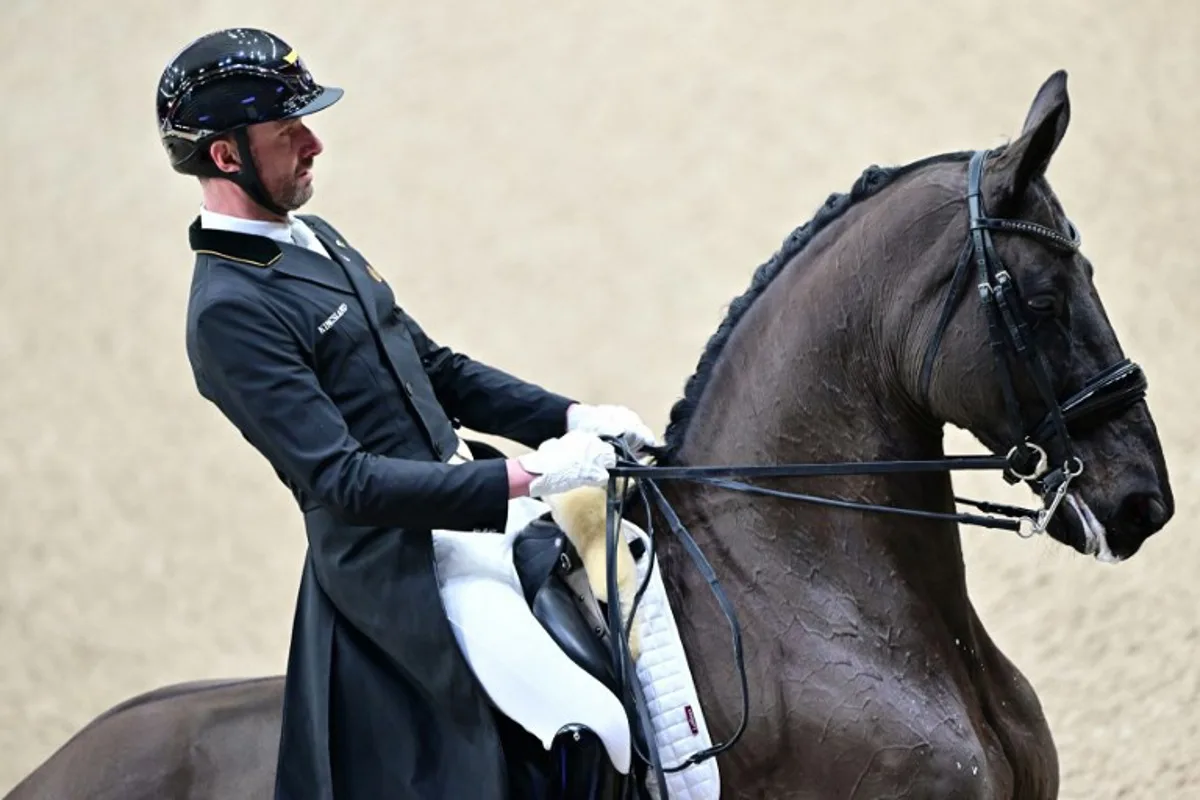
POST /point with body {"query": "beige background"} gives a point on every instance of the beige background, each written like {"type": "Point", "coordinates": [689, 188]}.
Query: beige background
{"type": "Point", "coordinates": [572, 191]}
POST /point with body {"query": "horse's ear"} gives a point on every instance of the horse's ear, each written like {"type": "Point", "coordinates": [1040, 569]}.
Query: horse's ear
{"type": "Point", "coordinates": [1045, 124]}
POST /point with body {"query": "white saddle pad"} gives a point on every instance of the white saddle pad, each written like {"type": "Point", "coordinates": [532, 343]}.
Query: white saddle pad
{"type": "Point", "coordinates": [680, 729]}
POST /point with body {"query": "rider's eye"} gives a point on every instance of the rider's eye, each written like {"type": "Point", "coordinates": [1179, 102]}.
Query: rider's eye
{"type": "Point", "coordinates": [1044, 305]}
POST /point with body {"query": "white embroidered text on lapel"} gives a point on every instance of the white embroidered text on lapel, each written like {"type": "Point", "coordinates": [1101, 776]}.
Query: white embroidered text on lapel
{"type": "Point", "coordinates": [332, 319]}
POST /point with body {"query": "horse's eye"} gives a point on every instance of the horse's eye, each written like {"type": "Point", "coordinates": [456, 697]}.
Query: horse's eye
{"type": "Point", "coordinates": [1044, 305]}
{"type": "Point", "coordinates": [1072, 232]}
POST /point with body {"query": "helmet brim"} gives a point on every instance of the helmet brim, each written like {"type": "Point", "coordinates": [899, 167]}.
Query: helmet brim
{"type": "Point", "coordinates": [328, 96]}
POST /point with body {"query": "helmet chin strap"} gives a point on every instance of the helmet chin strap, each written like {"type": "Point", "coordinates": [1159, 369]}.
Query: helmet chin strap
{"type": "Point", "coordinates": [247, 177]}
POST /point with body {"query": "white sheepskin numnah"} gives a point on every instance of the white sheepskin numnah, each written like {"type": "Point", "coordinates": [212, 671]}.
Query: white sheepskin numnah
{"type": "Point", "coordinates": [674, 707]}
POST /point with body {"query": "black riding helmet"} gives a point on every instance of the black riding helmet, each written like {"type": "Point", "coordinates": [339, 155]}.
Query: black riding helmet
{"type": "Point", "coordinates": [224, 81]}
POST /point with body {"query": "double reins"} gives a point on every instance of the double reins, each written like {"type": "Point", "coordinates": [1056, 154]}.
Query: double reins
{"type": "Point", "coordinates": [646, 478]}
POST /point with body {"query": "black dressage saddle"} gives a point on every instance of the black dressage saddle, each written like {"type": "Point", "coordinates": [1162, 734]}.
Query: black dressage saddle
{"type": "Point", "coordinates": [547, 564]}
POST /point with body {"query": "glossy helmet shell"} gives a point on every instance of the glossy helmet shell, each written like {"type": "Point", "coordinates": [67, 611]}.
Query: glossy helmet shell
{"type": "Point", "coordinates": [226, 80]}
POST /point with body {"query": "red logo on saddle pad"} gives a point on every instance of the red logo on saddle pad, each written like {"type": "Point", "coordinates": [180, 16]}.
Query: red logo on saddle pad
{"type": "Point", "coordinates": [691, 720]}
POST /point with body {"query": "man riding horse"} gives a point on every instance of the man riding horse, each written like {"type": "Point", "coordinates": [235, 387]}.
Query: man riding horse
{"type": "Point", "coordinates": [300, 343]}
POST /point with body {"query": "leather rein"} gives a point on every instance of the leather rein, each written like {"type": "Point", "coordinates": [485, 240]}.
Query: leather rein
{"type": "Point", "coordinates": [1107, 394]}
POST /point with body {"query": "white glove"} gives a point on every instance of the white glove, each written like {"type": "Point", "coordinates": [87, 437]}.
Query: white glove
{"type": "Point", "coordinates": [615, 421]}
{"type": "Point", "coordinates": [573, 460]}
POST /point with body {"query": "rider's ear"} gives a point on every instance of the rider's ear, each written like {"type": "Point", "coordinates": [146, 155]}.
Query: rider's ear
{"type": "Point", "coordinates": [1029, 155]}
{"type": "Point", "coordinates": [224, 153]}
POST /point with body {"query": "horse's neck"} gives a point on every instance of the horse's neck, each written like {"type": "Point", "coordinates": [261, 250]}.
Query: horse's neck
{"type": "Point", "coordinates": [786, 391]}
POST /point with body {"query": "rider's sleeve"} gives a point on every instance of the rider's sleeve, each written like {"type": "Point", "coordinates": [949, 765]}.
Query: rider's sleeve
{"type": "Point", "coordinates": [487, 399]}
{"type": "Point", "coordinates": [258, 371]}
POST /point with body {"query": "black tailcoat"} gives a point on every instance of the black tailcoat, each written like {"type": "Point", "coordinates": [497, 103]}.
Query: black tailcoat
{"type": "Point", "coordinates": [355, 407]}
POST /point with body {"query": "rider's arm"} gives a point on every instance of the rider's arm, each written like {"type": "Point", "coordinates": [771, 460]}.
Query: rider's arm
{"type": "Point", "coordinates": [260, 376]}
{"type": "Point", "coordinates": [487, 399]}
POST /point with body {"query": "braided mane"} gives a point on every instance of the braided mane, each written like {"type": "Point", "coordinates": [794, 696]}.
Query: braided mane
{"type": "Point", "coordinates": [872, 181]}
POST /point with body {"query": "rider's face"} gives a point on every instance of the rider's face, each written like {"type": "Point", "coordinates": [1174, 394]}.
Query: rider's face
{"type": "Point", "coordinates": [283, 152]}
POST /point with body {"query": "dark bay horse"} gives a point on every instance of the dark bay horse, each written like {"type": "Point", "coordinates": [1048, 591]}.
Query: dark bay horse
{"type": "Point", "coordinates": [870, 674]}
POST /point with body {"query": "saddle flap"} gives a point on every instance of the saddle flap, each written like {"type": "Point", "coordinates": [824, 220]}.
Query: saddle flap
{"type": "Point", "coordinates": [555, 608]}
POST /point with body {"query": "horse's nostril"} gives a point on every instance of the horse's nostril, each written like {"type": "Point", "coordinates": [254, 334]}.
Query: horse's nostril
{"type": "Point", "coordinates": [1156, 512]}
{"type": "Point", "coordinates": [1145, 509]}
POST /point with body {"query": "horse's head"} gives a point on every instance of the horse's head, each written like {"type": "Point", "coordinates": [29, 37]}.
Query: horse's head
{"type": "Point", "coordinates": [1016, 348]}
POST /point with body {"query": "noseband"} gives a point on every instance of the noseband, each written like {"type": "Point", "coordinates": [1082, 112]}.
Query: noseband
{"type": "Point", "coordinates": [1104, 396]}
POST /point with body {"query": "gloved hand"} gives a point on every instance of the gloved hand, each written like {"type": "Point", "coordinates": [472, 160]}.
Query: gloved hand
{"type": "Point", "coordinates": [573, 460]}
{"type": "Point", "coordinates": [615, 421]}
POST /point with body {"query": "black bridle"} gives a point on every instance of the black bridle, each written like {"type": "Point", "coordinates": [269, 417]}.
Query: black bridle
{"type": "Point", "coordinates": [1107, 394]}
{"type": "Point", "coordinates": [1110, 392]}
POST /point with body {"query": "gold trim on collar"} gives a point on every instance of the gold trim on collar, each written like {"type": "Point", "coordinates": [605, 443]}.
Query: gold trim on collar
{"type": "Point", "coordinates": [249, 261]}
